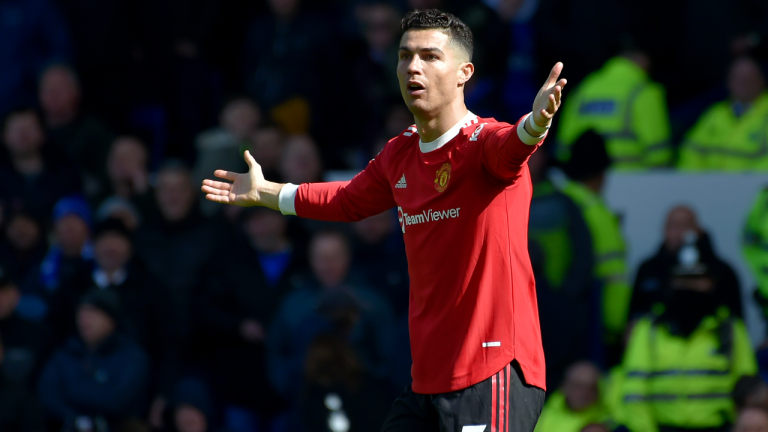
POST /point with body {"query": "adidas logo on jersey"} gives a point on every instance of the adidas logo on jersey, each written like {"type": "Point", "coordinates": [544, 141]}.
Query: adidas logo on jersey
{"type": "Point", "coordinates": [411, 130]}
{"type": "Point", "coordinates": [401, 184]}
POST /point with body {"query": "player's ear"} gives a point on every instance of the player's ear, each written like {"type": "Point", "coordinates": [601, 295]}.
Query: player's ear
{"type": "Point", "coordinates": [466, 70]}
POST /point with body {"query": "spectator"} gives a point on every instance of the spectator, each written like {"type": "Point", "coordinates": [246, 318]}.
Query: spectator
{"type": "Point", "coordinates": [338, 390]}
{"type": "Point", "coordinates": [176, 246]}
{"type": "Point", "coordinates": [127, 166]}
{"type": "Point", "coordinates": [34, 34]}
{"type": "Point", "coordinates": [752, 419]}
{"type": "Point", "coordinates": [71, 250]}
{"type": "Point", "coordinates": [19, 411]}
{"type": "Point", "coordinates": [283, 55]}
{"type": "Point", "coordinates": [379, 253]}
{"type": "Point", "coordinates": [338, 304]}
{"type": "Point", "coordinates": [560, 247]}
{"type": "Point", "coordinates": [191, 407]}
{"type": "Point", "coordinates": [586, 169]}
{"type": "Point", "coordinates": [32, 177]}
{"type": "Point", "coordinates": [24, 341]}
{"type": "Point", "coordinates": [681, 366]}
{"type": "Point", "coordinates": [84, 139]}
{"type": "Point", "coordinates": [235, 310]}
{"type": "Point", "coordinates": [267, 149]}
{"type": "Point", "coordinates": [222, 147]}
{"type": "Point", "coordinates": [99, 375]}
{"type": "Point", "coordinates": [300, 162]}
{"type": "Point", "coordinates": [577, 404]}
{"type": "Point", "coordinates": [621, 103]}
{"type": "Point", "coordinates": [148, 316]}
{"type": "Point", "coordinates": [23, 250]}
{"type": "Point", "coordinates": [682, 235]}
{"type": "Point", "coordinates": [119, 208]}
{"type": "Point", "coordinates": [730, 135]}
{"type": "Point", "coordinates": [755, 239]}
{"type": "Point", "coordinates": [750, 392]}
{"type": "Point", "coordinates": [596, 427]}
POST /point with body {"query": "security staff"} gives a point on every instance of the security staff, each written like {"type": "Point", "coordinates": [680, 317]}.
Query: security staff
{"type": "Point", "coordinates": [755, 247]}
{"type": "Point", "coordinates": [682, 365]}
{"type": "Point", "coordinates": [586, 170]}
{"type": "Point", "coordinates": [621, 103]}
{"type": "Point", "coordinates": [732, 135]}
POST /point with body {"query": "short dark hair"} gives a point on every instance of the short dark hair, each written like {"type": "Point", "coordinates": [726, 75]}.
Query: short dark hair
{"type": "Point", "coordinates": [427, 19]}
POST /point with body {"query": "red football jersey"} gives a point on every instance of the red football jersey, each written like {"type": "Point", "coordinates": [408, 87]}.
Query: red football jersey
{"type": "Point", "coordinates": [463, 203]}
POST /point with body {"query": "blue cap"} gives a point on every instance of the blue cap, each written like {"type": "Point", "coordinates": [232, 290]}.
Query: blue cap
{"type": "Point", "coordinates": [73, 205]}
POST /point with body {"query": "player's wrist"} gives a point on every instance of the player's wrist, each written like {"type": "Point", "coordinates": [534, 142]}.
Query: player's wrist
{"type": "Point", "coordinates": [540, 130]}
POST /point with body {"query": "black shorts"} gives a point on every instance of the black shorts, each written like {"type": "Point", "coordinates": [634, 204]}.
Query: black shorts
{"type": "Point", "coordinates": [501, 403]}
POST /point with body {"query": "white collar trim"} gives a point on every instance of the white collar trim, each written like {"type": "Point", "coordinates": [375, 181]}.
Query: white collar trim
{"type": "Point", "coordinates": [449, 135]}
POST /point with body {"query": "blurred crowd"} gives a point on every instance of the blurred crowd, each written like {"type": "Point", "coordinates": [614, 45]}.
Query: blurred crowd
{"type": "Point", "coordinates": [128, 303]}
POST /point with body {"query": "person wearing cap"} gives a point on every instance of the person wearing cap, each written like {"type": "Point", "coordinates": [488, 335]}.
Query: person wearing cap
{"type": "Point", "coordinates": [681, 364]}
{"type": "Point", "coordinates": [682, 228]}
{"type": "Point", "coordinates": [71, 250]}
{"type": "Point", "coordinates": [621, 103]}
{"type": "Point", "coordinates": [19, 410]}
{"type": "Point", "coordinates": [99, 373]}
{"type": "Point", "coordinates": [191, 407]}
{"type": "Point", "coordinates": [25, 341]}
{"type": "Point", "coordinates": [586, 170]}
{"type": "Point", "coordinates": [148, 313]}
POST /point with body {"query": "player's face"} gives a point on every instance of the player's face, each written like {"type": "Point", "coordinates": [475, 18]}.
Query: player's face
{"type": "Point", "coordinates": [430, 71]}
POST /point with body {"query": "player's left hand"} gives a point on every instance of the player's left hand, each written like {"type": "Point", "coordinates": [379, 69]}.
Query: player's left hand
{"type": "Point", "coordinates": [548, 99]}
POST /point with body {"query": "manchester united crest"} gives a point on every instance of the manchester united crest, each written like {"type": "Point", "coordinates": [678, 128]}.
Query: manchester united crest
{"type": "Point", "coordinates": [443, 177]}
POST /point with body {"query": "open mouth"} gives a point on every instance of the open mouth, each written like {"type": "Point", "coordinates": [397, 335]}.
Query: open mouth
{"type": "Point", "coordinates": [414, 87]}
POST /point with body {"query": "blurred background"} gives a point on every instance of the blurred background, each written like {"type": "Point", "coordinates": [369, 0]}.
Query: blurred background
{"type": "Point", "coordinates": [128, 303]}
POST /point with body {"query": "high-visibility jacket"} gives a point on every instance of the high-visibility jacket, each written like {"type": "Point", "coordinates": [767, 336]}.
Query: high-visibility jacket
{"type": "Point", "coordinates": [721, 141]}
{"type": "Point", "coordinates": [557, 417]}
{"type": "Point", "coordinates": [609, 251]}
{"type": "Point", "coordinates": [755, 246]}
{"type": "Point", "coordinates": [629, 110]}
{"type": "Point", "coordinates": [684, 382]}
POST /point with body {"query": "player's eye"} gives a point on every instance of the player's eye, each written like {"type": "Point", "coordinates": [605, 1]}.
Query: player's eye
{"type": "Point", "coordinates": [431, 57]}
{"type": "Point", "coordinates": [405, 56]}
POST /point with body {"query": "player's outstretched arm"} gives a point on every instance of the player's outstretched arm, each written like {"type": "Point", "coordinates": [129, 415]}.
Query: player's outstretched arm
{"type": "Point", "coordinates": [244, 190]}
{"type": "Point", "coordinates": [548, 100]}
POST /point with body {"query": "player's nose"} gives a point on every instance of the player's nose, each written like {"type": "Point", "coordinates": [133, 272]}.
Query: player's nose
{"type": "Point", "coordinates": [414, 66]}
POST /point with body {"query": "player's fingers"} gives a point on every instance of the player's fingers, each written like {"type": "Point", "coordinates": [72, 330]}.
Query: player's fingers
{"type": "Point", "coordinates": [554, 74]}
{"type": "Point", "coordinates": [552, 104]}
{"type": "Point", "coordinates": [544, 113]}
{"type": "Point", "coordinates": [562, 82]}
{"type": "Point", "coordinates": [249, 159]}
{"type": "Point", "coordinates": [218, 198]}
{"type": "Point", "coordinates": [229, 175]}
{"type": "Point", "coordinates": [558, 94]}
{"type": "Point", "coordinates": [214, 191]}
{"type": "Point", "coordinates": [217, 185]}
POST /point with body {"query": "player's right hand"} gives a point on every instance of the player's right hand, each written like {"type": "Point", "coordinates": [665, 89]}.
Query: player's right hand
{"type": "Point", "coordinates": [243, 191]}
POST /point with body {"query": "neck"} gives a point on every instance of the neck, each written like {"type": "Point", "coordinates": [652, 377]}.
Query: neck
{"type": "Point", "coordinates": [595, 184]}
{"type": "Point", "coordinates": [28, 164]}
{"type": "Point", "coordinates": [59, 119]}
{"type": "Point", "coordinates": [431, 127]}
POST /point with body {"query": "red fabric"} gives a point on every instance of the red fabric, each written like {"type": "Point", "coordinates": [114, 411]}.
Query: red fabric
{"type": "Point", "coordinates": [467, 248]}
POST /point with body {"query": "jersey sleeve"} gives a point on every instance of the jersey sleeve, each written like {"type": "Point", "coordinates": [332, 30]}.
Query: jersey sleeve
{"type": "Point", "coordinates": [367, 194]}
{"type": "Point", "coordinates": [506, 149]}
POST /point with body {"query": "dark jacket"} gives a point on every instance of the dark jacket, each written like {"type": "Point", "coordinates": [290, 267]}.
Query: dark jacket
{"type": "Point", "coordinates": [37, 195]}
{"type": "Point", "coordinates": [19, 411]}
{"type": "Point", "coordinates": [147, 316]}
{"type": "Point", "coordinates": [231, 295]}
{"type": "Point", "coordinates": [653, 277]}
{"type": "Point", "coordinates": [109, 382]}
{"type": "Point", "coordinates": [560, 247]}
{"type": "Point", "coordinates": [25, 345]}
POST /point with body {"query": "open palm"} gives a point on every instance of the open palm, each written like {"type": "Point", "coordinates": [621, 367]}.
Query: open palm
{"type": "Point", "coordinates": [243, 189]}
{"type": "Point", "coordinates": [548, 99]}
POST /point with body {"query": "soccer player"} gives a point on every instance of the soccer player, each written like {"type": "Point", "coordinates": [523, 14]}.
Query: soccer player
{"type": "Point", "coordinates": [462, 190]}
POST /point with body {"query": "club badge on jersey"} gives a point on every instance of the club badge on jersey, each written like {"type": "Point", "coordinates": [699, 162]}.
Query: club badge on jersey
{"type": "Point", "coordinates": [443, 177]}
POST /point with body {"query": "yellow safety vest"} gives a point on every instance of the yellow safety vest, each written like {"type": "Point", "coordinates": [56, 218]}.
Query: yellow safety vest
{"type": "Point", "coordinates": [629, 110]}
{"type": "Point", "coordinates": [723, 142]}
{"type": "Point", "coordinates": [557, 417]}
{"type": "Point", "coordinates": [684, 382]}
